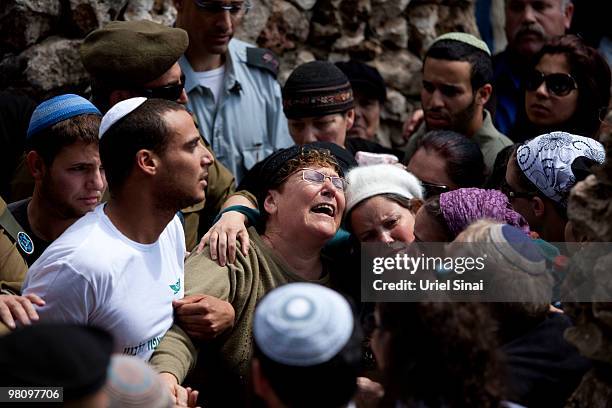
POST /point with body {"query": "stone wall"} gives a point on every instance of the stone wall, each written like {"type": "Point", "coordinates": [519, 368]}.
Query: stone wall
{"type": "Point", "coordinates": [39, 39]}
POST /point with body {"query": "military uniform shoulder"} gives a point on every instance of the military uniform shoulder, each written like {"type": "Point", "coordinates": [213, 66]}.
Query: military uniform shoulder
{"type": "Point", "coordinates": [253, 56]}
{"type": "Point", "coordinates": [264, 59]}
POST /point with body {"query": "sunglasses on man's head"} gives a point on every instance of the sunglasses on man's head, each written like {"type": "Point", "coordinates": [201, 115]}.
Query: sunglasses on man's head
{"type": "Point", "coordinates": [235, 8]}
{"type": "Point", "coordinates": [170, 92]}
{"type": "Point", "coordinates": [558, 84]}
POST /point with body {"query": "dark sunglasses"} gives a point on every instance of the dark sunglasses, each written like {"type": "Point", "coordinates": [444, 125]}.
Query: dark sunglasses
{"type": "Point", "coordinates": [557, 84]}
{"type": "Point", "coordinates": [169, 92]}
{"type": "Point", "coordinates": [236, 9]}
{"type": "Point", "coordinates": [431, 189]}
{"type": "Point", "coordinates": [507, 190]}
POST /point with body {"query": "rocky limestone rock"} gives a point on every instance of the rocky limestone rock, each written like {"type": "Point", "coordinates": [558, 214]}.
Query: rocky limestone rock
{"type": "Point", "coordinates": [350, 39]}
{"type": "Point", "coordinates": [457, 19]}
{"type": "Point", "coordinates": [393, 32]}
{"type": "Point", "coordinates": [255, 21]}
{"type": "Point", "coordinates": [304, 4]}
{"type": "Point", "coordinates": [25, 22]}
{"type": "Point", "coordinates": [400, 70]}
{"type": "Point", "coordinates": [160, 11]}
{"type": "Point", "coordinates": [85, 16]}
{"type": "Point", "coordinates": [292, 60]}
{"type": "Point", "coordinates": [395, 106]}
{"type": "Point", "coordinates": [54, 64]}
{"type": "Point", "coordinates": [422, 20]}
{"type": "Point", "coordinates": [88, 15]}
{"type": "Point", "coordinates": [285, 29]}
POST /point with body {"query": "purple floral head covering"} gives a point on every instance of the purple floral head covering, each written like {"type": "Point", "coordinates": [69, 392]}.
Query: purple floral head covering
{"type": "Point", "coordinates": [462, 207]}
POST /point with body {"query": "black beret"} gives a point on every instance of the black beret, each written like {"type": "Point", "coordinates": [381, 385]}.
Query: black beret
{"type": "Point", "coordinates": [316, 88]}
{"type": "Point", "coordinates": [265, 174]}
{"type": "Point", "coordinates": [132, 52]}
{"type": "Point", "coordinates": [55, 355]}
{"type": "Point", "coordinates": [365, 79]}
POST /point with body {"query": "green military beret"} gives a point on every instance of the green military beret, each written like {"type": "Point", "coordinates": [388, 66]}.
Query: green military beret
{"type": "Point", "coordinates": [132, 52]}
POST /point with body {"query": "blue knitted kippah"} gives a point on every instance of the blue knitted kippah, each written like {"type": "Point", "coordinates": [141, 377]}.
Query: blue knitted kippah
{"type": "Point", "coordinates": [59, 108]}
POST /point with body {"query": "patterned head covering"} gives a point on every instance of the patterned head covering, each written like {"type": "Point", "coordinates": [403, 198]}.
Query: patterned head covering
{"type": "Point", "coordinates": [57, 109]}
{"type": "Point", "coordinates": [316, 88]}
{"type": "Point", "coordinates": [462, 207]}
{"type": "Point", "coordinates": [302, 324]}
{"type": "Point", "coordinates": [547, 161]}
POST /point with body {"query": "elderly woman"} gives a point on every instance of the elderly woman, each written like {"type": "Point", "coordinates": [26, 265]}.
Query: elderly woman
{"type": "Point", "coordinates": [303, 206]}
{"type": "Point", "coordinates": [442, 218]}
{"type": "Point", "coordinates": [565, 91]}
{"type": "Point", "coordinates": [381, 201]}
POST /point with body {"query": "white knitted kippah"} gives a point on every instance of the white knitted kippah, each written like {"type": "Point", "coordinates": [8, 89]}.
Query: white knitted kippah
{"type": "Point", "coordinates": [302, 324]}
{"type": "Point", "coordinates": [464, 38]}
{"type": "Point", "coordinates": [117, 112]}
{"type": "Point", "coordinates": [369, 181]}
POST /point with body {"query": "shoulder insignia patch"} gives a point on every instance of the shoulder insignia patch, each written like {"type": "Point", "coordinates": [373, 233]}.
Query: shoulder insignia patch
{"type": "Point", "coordinates": [263, 58]}
{"type": "Point", "coordinates": [25, 242]}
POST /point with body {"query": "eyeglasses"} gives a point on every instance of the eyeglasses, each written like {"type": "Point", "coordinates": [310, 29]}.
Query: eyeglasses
{"type": "Point", "coordinates": [557, 84]}
{"type": "Point", "coordinates": [314, 176]}
{"type": "Point", "coordinates": [507, 190]}
{"type": "Point", "coordinates": [237, 9]}
{"type": "Point", "coordinates": [434, 189]}
{"type": "Point", "coordinates": [169, 92]}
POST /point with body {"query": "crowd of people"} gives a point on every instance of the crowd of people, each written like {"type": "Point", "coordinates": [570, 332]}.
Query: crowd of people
{"type": "Point", "coordinates": [191, 232]}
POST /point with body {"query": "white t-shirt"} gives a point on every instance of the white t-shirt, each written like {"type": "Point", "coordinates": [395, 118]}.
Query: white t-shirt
{"type": "Point", "coordinates": [212, 80]}
{"type": "Point", "coordinates": [93, 274]}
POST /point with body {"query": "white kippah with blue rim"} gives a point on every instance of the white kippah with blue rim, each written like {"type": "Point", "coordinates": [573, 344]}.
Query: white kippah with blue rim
{"type": "Point", "coordinates": [57, 109]}
{"type": "Point", "coordinates": [302, 324]}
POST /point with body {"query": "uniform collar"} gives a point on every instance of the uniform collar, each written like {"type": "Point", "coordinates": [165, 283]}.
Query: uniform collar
{"type": "Point", "coordinates": [234, 59]}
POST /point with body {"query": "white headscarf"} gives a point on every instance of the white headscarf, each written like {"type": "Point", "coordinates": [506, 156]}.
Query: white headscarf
{"type": "Point", "coordinates": [547, 161]}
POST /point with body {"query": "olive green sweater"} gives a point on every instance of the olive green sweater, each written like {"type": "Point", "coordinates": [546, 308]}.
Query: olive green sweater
{"type": "Point", "coordinates": [223, 364]}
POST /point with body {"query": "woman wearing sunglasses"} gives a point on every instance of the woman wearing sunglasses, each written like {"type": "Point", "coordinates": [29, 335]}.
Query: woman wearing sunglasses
{"type": "Point", "coordinates": [565, 91]}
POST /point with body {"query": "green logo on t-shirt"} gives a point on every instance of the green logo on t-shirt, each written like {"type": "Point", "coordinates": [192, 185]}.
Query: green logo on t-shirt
{"type": "Point", "coordinates": [176, 287]}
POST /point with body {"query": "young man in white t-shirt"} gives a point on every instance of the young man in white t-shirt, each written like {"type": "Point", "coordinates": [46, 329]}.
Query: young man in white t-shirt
{"type": "Point", "coordinates": [121, 266]}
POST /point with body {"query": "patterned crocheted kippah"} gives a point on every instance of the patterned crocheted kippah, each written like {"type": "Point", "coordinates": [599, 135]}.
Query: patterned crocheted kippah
{"type": "Point", "coordinates": [302, 324]}
{"type": "Point", "coordinates": [57, 109]}
{"type": "Point", "coordinates": [317, 88]}
{"type": "Point", "coordinates": [464, 38]}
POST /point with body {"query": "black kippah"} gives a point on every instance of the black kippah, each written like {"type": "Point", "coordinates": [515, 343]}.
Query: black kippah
{"type": "Point", "coordinates": [53, 355]}
{"type": "Point", "coordinates": [316, 88]}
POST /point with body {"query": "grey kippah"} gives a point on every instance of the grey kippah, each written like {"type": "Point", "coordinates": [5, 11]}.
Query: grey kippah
{"type": "Point", "coordinates": [464, 38]}
{"type": "Point", "coordinates": [132, 52]}
{"type": "Point", "coordinates": [302, 324]}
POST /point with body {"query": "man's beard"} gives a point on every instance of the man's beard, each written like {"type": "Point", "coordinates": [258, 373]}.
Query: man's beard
{"type": "Point", "coordinates": [460, 122]}
{"type": "Point", "coordinates": [171, 198]}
